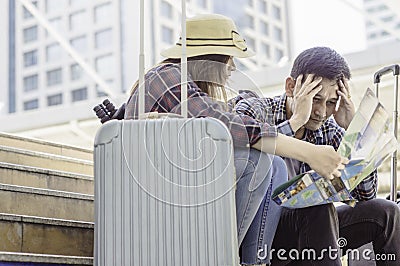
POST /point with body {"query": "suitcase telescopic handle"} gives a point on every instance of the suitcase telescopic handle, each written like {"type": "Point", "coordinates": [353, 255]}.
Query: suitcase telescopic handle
{"type": "Point", "coordinates": [377, 79]}
{"type": "Point", "coordinates": [386, 70]}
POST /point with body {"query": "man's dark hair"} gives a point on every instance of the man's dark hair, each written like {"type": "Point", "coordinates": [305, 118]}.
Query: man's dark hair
{"type": "Point", "coordinates": [321, 61]}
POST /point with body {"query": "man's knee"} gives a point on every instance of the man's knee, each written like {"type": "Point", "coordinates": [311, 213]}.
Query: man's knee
{"type": "Point", "coordinates": [382, 207]}
{"type": "Point", "coordinates": [387, 208]}
{"type": "Point", "coordinates": [384, 212]}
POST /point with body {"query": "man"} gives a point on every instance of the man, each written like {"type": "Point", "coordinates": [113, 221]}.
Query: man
{"type": "Point", "coordinates": [318, 83]}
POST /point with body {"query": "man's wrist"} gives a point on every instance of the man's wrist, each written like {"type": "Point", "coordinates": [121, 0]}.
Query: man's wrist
{"type": "Point", "coordinates": [295, 124]}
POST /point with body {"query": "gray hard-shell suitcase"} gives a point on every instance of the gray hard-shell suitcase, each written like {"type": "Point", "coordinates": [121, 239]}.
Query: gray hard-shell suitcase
{"type": "Point", "coordinates": [165, 188]}
{"type": "Point", "coordinates": [165, 193]}
{"type": "Point", "coordinates": [394, 69]}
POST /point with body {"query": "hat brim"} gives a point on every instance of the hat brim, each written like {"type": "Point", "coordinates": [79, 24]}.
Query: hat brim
{"type": "Point", "coordinates": [176, 51]}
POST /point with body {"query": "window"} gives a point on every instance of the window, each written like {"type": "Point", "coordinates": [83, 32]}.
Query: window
{"type": "Point", "coordinates": [76, 72]}
{"type": "Point", "coordinates": [28, 14]}
{"type": "Point", "coordinates": [202, 3]}
{"type": "Point", "coordinates": [262, 6]}
{"type": "Point", "coordinates": [388, 18]}
{"type": "Point", "coordinates": [276, 12]}
{"type": "Point", "coordinates": [99, 90]}
{"type": "Point", "coordinates": [54, 77]}
{"type": "Point", "coordinates": [54, 6]}
{"type": "Point", "coordinates": [53, 52]}
{"type": "Point", "coordinates": [166, 9]}
{"type": "Point", "coordinates": [102, 13]}
{"type": "Point", "coordinates": [79, 94]}
{"type": "Point", "coordinates": [278, 54]}
{"type": "Point", "coordinates": [369, 24]}
{"type": "Point", "coordinates": [30, 58]}
{"type": "Point", "coordinates": [31, 83]}
{"type": "Point", "coordinates": [30, 34]}
{"type": "Point", "coordinates": [278, 34]}
{"type": "Point", "coordinates": [266, 50]}
{"type": "Point", "coordinates": [79, 44]}
{"type": "Point", "coordinates": [76, 3]}
{"type": "Point", "coordinates": [32, 104]}
{"type": "Point", "coordinates": [54, 99]}
{"type": "Point", "coordinates": [167, 34]}
{"type": "Point", "coordinates": [264, 28]}
{"type": "Point", "coordinates": [105, 66]}
{"type": "Point", "coordinates": [103, 39]}
{"type": "Point", "coordinates": [77, 19]}
{"type": "Point", "coordinates": [382, 7]}
{"type": "Point", "coordinates": [251, 43]}
{"type": "Point", "coordinates": [56, 23]}
{"type": "Point", "coordinates": [250, 2]}
{"type": "Point", "coordinates": [377, 8]}
{"type": "Point", "coordinates": [249, 21]}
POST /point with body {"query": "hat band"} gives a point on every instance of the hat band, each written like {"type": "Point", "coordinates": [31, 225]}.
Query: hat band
{"type": "Point", "coordinates": [213, 44]}
{"type": "Point", "coordinates": [235, 41]}
{"type": "Point", "coordinates": [207, 39]}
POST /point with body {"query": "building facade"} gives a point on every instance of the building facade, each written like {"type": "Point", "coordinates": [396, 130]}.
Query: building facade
{"type": "Point", "coordinates": [104, 34]}
{"type": "Point", "coordinates": [388, 18]}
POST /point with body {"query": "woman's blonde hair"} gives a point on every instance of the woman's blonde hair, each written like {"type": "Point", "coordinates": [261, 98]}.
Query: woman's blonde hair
{"type": "Point", "coordinates": [209, 72]}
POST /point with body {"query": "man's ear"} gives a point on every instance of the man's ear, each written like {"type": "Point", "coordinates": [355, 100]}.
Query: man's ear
{"type": "Point", "coordinates": [289, 86]}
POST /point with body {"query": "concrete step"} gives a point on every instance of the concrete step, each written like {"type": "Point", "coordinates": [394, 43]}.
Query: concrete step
{"type": "Point", "coordinates": [46, 203]}
{"type": "Point", "coordinates": [29, 234]}
{"type": "Point", "coordinates": [17, 258]}
{"type": "Point", "coordinates": [45, 160]}
{"type": "Point", "coordinates": [44, 146]}
{"type": "Point", "coordinates": [28, 176]}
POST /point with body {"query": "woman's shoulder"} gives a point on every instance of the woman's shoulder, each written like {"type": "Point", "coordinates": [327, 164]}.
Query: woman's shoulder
{"type": "Point", "coordinates": [164, 67]}
{"type": "Point", "coordinates": [163, 70]}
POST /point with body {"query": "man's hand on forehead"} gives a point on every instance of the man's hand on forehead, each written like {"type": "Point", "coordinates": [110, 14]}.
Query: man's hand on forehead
{"type": "Point", "coordinates": [302, 101]}
{"type": "Point", "coordinates": [346, 110]}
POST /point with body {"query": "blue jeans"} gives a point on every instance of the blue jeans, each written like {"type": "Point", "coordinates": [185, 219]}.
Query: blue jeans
{"type": "Point", "coordinates": [258, 174]}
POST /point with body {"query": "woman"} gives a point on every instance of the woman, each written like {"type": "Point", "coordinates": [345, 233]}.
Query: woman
{"type": "Point", "coordinates": [212, 43]}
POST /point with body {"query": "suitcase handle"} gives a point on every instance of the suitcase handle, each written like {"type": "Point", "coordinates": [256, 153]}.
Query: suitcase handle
{"type": "Point", "coordinates": [393, 68]}
{"type": "Point", "coordinates": [377, 79]}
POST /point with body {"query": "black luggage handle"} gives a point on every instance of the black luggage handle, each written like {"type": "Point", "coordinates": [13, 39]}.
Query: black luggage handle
{"type": "Point", "coordinates": [393, 68]}
{"type": "Point", "coordinates": [377, 79]}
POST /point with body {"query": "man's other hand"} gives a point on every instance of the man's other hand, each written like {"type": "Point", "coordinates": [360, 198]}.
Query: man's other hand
{"type": "Point", "coordinates": [346, 110]}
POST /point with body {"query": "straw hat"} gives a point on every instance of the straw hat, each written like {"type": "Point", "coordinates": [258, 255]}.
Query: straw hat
{"type": "Point", "coordinates": [210, 34]}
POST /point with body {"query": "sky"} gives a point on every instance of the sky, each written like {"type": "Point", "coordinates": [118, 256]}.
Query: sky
{"type": "Point", "coordinates": [330, 23]}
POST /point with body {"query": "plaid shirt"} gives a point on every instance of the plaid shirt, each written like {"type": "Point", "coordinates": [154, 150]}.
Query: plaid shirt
{"type": "Point", "coordinates": [163, 94]}
{"type": "Point", "coordinates": [273, 112]}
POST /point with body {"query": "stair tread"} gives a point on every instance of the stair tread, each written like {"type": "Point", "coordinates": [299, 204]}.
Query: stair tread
{"type": "Point", "coordinates": [46, 192]}
{"type": "Point", "coordinates": [43, 142]}
{"type": "Point", "coordinates": [45, 220]}
{"type": "Point", "coordinates": [44, 155]}
{"type": "Point", "coordinates": [44, 171]}
{"type": "Point", "coordinates": [44, 258]}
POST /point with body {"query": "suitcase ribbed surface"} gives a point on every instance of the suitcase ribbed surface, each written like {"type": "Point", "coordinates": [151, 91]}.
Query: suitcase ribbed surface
{"type": "Point", "coordinates": [164, 193]}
